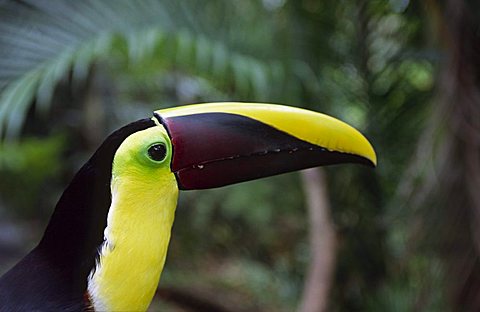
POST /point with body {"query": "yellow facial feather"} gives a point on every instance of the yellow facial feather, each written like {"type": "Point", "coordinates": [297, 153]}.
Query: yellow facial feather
{"type": "Point", "coordinates": [144, 197]}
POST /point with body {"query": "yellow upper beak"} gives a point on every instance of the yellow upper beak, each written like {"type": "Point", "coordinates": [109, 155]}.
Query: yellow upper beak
{"type": "Point", "coordinates": [316, 128]}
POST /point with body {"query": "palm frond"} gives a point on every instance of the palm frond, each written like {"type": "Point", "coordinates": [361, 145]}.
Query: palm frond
{"type": "Point", "coordinates": [42, 41]}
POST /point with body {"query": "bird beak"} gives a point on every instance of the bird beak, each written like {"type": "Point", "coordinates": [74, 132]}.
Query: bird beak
{"type": "Point", "coordinates": [224, 143]}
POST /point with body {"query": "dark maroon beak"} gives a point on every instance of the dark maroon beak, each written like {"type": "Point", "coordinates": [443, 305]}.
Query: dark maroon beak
{"type": "Point", "coordinates": [217, 147]}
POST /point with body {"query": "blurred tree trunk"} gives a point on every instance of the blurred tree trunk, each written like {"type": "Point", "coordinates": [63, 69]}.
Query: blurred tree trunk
{"type": "Point", "coordinates": [94, 118]}
{"type": "Point", "coordinates": [323, 243]}
{"type": "Point", "coordinates": [460, 179]}
{"type": "Point", "coordinates": [453, 202]}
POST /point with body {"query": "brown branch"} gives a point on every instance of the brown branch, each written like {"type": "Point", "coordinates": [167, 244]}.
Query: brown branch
{"type": "Point", "coordinates": [323, 243]}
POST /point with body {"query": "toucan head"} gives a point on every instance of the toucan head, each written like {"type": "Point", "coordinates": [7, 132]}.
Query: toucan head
{"type": "Point", "coordinates": [212, 145]}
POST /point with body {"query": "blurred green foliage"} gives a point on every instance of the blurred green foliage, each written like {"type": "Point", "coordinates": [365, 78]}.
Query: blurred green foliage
{"type": "Point", "coordinates": [25, 166]}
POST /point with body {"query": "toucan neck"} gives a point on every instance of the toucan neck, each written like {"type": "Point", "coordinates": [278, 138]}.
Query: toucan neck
{"type": "Point", "coordinates": [136, 241]}
{"type": "Point", "coordinates": [75, 230]}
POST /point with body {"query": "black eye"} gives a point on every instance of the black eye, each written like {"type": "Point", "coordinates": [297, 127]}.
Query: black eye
{"type": "Point", "coordinates": [157, 152]}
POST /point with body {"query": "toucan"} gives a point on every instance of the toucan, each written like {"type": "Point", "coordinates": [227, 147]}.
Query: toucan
{"type": "Point", "coordinates": [105, 246]}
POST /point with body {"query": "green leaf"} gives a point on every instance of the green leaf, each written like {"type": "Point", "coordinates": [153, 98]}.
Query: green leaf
{"type": "Point", "coordinates": [14, 103]}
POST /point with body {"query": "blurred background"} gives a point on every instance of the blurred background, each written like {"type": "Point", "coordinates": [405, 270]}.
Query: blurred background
{"type": "Point", "coordinates": [402, 237]}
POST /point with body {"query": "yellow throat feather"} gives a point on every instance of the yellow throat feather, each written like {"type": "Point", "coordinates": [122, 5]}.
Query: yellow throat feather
{"type": "Point", "coordinates": [144, 197]}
